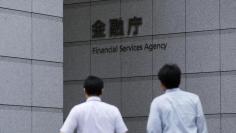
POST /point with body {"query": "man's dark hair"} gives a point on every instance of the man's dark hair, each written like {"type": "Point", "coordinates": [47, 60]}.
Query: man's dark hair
{"type": "Point", "coordinates": [93, 86]}
{"type": "Point", "coordinates": [170, 76]}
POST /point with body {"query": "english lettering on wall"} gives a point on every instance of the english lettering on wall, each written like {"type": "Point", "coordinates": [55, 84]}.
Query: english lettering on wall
{"type": "Point", "coordinates": [129, 48]}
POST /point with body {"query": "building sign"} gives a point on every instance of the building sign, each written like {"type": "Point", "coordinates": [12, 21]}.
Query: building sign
{"type": "Point", "coordinates": [129, 48]}
{"type": "Point", "coordinates": [98, 29]}
{"type": "Point", "coordinates": [116, 27]}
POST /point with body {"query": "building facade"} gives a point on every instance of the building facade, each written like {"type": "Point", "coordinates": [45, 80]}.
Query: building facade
{"type": "Point", "coordinates": [126, 42]}
{"type": "Point", "coordinates": [123, 41]}
{"type": "Point", "coordinates": [31, 66]}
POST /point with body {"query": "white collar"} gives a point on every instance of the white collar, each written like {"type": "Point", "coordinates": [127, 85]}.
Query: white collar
{"type": "Point", "coordinates": [172, 90]}
{"type": "Point", "coordinates": [94, 98]}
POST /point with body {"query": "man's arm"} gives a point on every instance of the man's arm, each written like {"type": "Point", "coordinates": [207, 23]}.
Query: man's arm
{"type": "Point", "coordinates": [120, 126]}
{"type": "Point", "coordinates": [70, 123]}
{"type": "Point", "coordinates": [154, 120]}
{"type": "Point", "coordinates": [201, 121]}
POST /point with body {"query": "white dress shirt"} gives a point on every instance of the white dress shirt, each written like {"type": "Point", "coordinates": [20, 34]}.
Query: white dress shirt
{"type": "Point", "coordinates": [176, 111]}
{"type": "Point", "coordinates": [94, 116]}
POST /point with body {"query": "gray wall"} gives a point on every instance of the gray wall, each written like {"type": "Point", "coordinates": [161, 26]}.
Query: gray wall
{"type": "Point", "coordinates": [201, 37]}
{"type": "Point", "coordinates": [31, 56]}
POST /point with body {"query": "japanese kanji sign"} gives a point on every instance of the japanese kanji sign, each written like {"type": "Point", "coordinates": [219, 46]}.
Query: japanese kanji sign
{"type": "Point", "coordinates": [116, 27]}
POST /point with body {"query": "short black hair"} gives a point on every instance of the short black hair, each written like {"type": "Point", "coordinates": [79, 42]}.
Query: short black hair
{"type": "Point", "coordinates": [170, 76]}
{"type": "Point", "coordinates": [93, 86]}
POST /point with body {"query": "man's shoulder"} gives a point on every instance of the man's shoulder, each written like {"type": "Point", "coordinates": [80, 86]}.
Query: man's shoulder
{"type": "Point", "coordinates": [160, 99]}
{"type": "Point", "coordinates": [163, 98]}
{"type": "Point", "coordinates": [80, 106]}
{"type": "Point", "coordinates": [109, 106]}
{"type": "Point", "coordinates": [104, 104]}
{"type": "Point", "coordinates": [190, 94]}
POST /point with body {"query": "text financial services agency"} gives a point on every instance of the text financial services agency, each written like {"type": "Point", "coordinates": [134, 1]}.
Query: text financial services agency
{"type": "Point", "coordinates": [128, 48]}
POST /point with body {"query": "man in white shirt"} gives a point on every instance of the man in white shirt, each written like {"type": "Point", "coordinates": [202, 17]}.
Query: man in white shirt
{"type": "Point", "coordinates": [94, 116]}
{"type": "Point", "coordinates": [176, 111]}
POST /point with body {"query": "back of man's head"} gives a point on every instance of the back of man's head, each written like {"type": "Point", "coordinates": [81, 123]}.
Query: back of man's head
{"type": "Point", "coordinates": [170, 76]}
{"type": "Point", "coordinates": [93, 86]}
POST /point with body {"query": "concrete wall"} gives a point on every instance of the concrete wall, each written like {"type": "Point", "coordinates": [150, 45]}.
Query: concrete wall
{"type": "Point", "coordinates": [31, 56]}
{"type": "Point", "coordinates": [201, 38]}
